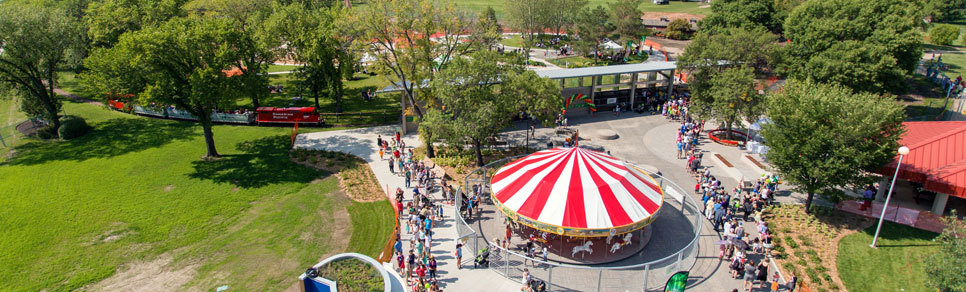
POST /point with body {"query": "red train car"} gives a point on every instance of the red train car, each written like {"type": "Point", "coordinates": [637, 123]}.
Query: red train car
{"type": "Point", "coordinates": [289, 115]}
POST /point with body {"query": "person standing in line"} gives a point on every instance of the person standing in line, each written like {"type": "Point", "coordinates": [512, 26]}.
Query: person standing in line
{"type": "Point", "coordinates": [749, 275]}
{"type": "Point", "coordinates": [526, 279]}
{"type": "Point", "coordinates": [790, 285]}
{"type": "Point", "coordinates": [459, 256]}
{"type": "Point", "coordinates": [392, 164]}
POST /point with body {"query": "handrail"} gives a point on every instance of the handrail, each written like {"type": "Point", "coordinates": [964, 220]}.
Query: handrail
{"type": "Point", "coordinates": [688, 199]}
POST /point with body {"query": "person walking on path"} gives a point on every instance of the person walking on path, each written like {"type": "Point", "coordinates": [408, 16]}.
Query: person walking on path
{"type": "Point", "coordinates": [392, 164]}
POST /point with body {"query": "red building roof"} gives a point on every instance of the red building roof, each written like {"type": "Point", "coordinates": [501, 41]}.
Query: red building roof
{"type": "Point", "coordinates": [937, 156]}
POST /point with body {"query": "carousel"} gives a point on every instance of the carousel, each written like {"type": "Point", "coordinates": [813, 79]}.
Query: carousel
{"type": "Point", "coordinates": [584, 206]}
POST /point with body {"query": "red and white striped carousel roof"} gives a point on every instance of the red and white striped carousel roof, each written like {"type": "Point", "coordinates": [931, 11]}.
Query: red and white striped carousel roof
{"type": "Point", "coordinates": [577, 188]}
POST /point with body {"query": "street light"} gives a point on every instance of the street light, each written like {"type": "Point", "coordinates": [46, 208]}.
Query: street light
{"type": "Point", "coordinates": [903, 151]}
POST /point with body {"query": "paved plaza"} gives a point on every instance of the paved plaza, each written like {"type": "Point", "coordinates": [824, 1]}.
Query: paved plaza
{"type": "Point", "coordinates": [643, 140]}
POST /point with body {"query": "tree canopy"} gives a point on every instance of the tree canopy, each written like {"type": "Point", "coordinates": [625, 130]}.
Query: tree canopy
{"type": "Point", "coordinates": [864, 45]}
{"type": "Point", "coordinates": [34, 41]}
{"type": "Point", "coordinates": [947, 268]}
{"type": "Point", "coordinates": [311, 39]}
{"type": "Point", "coordinates": [479, 97]}
{"type": "Point", "coordinates": [823, 137]}
{"type": "Point", "coordinates": [108, 19]}
{"type": "Point", "coordinates": [724, 67]}
{"type": "Point", "coordinates": [626, 18]}
{"type": "Point", "coordinates": [742, 13]}
{"type": "Point", "coordinates": [591, 27]}
{"type": "Point", "coordinates": [180, 63]}
{"type": "Point", "coordinates": [398, 32]}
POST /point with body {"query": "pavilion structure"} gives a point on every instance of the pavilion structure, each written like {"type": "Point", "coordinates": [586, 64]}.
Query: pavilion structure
{"type": "Point", "coordinates": [936, 162]}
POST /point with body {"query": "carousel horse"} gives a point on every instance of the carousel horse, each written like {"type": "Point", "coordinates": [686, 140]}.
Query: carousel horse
{"type": "Point", "coordinates": [622, 243]}
{"type": "Point", "coordinates": [585, 247]}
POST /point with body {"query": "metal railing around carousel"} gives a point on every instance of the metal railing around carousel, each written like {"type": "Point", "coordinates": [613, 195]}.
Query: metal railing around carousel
{"type": "Point", "coordinates": [648, 276]}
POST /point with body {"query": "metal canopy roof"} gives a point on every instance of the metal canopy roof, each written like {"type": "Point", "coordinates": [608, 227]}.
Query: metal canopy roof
{"type": "Point", "coordinates": [607, 70]}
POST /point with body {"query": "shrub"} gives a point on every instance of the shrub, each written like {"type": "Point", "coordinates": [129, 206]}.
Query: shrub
{"type": "Point", "coordinates": [944, 34]}
{"type": "Point", "coordinates": [72, 127]}
{"type": "Point", "coordinates": [679, 29]}
{"type": "Point", "coordinates": [805, 240]}
{"type": "Point", "coordinates": [46, 133]}
{"type": "Point", "coordinates": [791, 243]}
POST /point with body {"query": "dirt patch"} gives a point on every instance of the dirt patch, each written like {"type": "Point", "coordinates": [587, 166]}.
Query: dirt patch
{"type": "Point", "coordinates": [356, 178]}
{"type": "Point", "coordinates": [168, 188]}
{"type": "Point", "coordinates": [807, 244]}
{"type": "Point", "coordinates": [155, 275]}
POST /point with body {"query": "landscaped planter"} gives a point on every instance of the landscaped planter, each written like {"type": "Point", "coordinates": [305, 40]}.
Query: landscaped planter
{"type": "Point", "coordinates": [720, 136]}
{"type": "Point", "coordinates": [347, 272]}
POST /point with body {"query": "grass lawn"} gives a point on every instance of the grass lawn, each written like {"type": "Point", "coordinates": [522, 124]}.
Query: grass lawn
{"type": "Point", "coordinates": [956, 64]}
{"type": "Point", "coordinates": [581, 61]}
{"type": "Point", "coordinates": [896, 265]}
{"type": "Point", "coordinates": [73, 212]}
{"type": "Point", "coordinates": [280, 68]}
{"type": "Point", "coordinates": [646, 6]}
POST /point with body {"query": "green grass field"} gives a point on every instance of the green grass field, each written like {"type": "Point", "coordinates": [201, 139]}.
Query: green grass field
{"type": "Point", "coordinates": [72, 212]}
{"type": "Point", "coordinates": [896, 265]}
{"type": "Point", "coordinates": [475, 6]}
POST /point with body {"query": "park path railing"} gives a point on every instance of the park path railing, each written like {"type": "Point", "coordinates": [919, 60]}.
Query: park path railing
{"type": "Point", "coordinates": [649, 276]}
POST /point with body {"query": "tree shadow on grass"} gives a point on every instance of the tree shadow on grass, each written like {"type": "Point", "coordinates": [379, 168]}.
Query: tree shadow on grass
{"type": "Point", "coordinates": [263, 162]}
{"type": "Point", "coordinates": [109, 138]}
{"type": "Point", "coordinates": [895, 231]}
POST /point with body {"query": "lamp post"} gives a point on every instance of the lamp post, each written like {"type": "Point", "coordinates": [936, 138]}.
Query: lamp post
{"type": "Point", "coordinates": [902, 153]}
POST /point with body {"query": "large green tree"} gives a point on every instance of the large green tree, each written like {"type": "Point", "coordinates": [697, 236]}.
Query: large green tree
{"type": "Point", "coordinates": [945, 10]}
{"type": "Point", "coordinates": [626, 18]}
{"type": "Point", "coordinates": [947, 268]}
{"type": "Point", "coordinates": [412, 40]}
{"type": "Point", "coordinates": [479, 97]}
{"type": "Point", "coordinates": [824, 137]}
{"type": "Point", "coordinates": [34, 41]}
{"type": "Point", "coordinates": [749, 14]}
{"type": "Point", "coordinates": [864, 45]}
{"type": "Point", "coordinates": [182, 62]}
{"type": "Point", "coordinates": [525, 18]}
{"type": "Point", "coordinates": [591, 28]}
{"type": "Point", "coordinates": [310, 36]}
{"type": "Point", "coordinates": [487, 30]}
{"type": "Point", "coordinates": [108, 19]}
{"type": "Point", "coordinates": [723, 68]}
{"type": "Point", "coordinates": [560, 15]}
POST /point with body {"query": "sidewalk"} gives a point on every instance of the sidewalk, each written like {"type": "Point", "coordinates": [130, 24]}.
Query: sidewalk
{"type": "Point", "coordinates": [360, 142]}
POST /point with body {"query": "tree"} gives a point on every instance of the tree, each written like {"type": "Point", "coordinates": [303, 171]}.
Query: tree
{"type": "Point", "coordinates": [626, 18]}
{"type": "Point", "coordinates": [487, 30]}
{"type": "Point", "coordinates": [823, 137]}
{"type": "Point", "coordinates": [560, 15]}
{"type": "Point", "coordinates": [479, 97]}
{"type": "Point", "coordinates": [944, 34]}
{"type": "Point", "coordinates": [734, 96]}
{"type": "Point", "coordinates": [34, 41]}
{"type": "Point", "coordinates": [945, 10]}
{"type": "Point", "coordinates": [399, 33]}
{"type": "Point", "coordinates": [679, 29]}
{"type": "Point", "coordinates": [864, 45]}
{"type": "Point", "coordinates": [108, 19]}
{"type": "Point", "coordinates": [591, 27]}
{"type": "Point", "coordinates": [265, 44]}
{"type": "Point", "coordinates": [182, 63]}
{"type": "Point", "coordinates": [947, 268]}
{"type": "Point", "coordinates": [311, 40]}
{"type": "Point", "coordinates": [524, 16]}
{"type": "Point", "coordinates": [748, 14]}
{"type": "Point", "coordinates": [723, 67]}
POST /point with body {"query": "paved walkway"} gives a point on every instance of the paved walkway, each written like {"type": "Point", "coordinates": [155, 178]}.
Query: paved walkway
{"type": "Point", "coordinates": [360, 142]}
{"type": "Point", "coordinates": [644, 139]}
